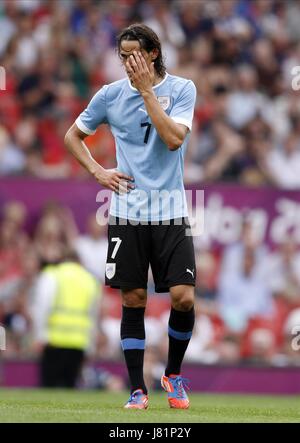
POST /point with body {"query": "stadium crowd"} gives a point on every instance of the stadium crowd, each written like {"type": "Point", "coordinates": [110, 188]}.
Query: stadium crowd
{"type": "Point", "coordinates": [240, 54]}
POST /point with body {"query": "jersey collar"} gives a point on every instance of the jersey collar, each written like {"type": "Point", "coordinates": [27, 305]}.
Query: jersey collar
{"type": "Point", "coordinates": [153, 87]}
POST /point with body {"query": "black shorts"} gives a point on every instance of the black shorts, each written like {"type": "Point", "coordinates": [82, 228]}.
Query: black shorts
{"type": "Point", "coordinates": [166, 247]}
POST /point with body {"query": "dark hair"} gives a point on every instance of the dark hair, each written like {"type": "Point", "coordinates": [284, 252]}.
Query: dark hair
{"type": "Point", "coordinates": [148, 41]}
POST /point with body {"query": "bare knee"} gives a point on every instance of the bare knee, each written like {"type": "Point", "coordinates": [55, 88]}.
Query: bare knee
{"type": "Point", "coordinates": [182, 297]}
{"type": "Point", "coordinates": [134, 298]}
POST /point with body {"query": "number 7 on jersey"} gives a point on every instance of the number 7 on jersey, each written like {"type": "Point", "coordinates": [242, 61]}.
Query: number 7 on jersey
{"type": "Point", "coordinates": [118, 242]}
{"type": "Point", "coordinates": [148, 125]}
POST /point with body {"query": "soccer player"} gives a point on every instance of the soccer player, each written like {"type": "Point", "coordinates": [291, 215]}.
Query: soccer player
{"type": "Point", "coordinates": [150, 115]}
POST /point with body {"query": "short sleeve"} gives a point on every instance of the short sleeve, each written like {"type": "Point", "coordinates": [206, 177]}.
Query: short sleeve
{"type": "Point", "coordinates": [183, 109]}
{"type": "Point", "coordinates": [95, 113]}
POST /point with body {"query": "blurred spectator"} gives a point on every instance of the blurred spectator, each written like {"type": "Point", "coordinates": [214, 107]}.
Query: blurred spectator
{"type": "Point", "coordinates": [99, 378]}
{"type": "Point", "coordinates": [13, 243]}
{"type": "Point", "coordinates": [290, 350]}
{"type": "Point", "coordinates": [92, 248]}
{"type": "Point", "coordinates": [229, 349]}
{"type": "Point", "coordinates": [292, 17]}
{"type": "Point", "coordinates": [283, 272]}
{"type": "Point", "coordinates": [249, 166]}
{"type": "Point", "coordinates": [12, 160]}
{"type": "Point", "coordinates": [17, 273]}
{"type": "Point", "coordinates": [202, 347]}
{"type": "Point", "coordinates": [233, 254]}
{"type": "Point", "coordinates": [48, 240]}
{"type": "Point", "coordinates": [55, 233]}
{"type": "Point", "coordinates": [207, 265]}
{"type": "Point", "coordinates": [7, 26]}
{"type": "Point", "coordinates": [245, 102]}
{"type": "Point", "coordinates": [243, 294]}
{"type": "Point", "coordinates": [283, 164]}
{"type": "Point", "coordinates": [164, 22]}
{"type": "Point", "coordinates": [213, 151]}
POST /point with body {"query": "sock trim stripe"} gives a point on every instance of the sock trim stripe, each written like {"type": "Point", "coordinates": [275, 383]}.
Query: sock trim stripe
{"type": "Point", "coordinates": [179, 335]}
{"type": "Point", "coordinates": [132, 343]}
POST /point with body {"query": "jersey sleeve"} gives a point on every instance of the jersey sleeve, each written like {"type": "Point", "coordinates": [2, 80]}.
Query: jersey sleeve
{"type": "Point", "coordinates": [183, 109]}
{"type": "Point", "coordinates": [95, 113]}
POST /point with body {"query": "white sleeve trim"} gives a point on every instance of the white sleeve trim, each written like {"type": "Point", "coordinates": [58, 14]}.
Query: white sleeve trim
{"type": "Point", "coordinates": [83, 128]}
{"type": "Point", "coordinates": [182, 121]}
{"type": "Point", "coordinates": [44, 295]}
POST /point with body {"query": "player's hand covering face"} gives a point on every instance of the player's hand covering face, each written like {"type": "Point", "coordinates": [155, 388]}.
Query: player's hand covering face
{"type": "Point", "coordinates": [139, 73]}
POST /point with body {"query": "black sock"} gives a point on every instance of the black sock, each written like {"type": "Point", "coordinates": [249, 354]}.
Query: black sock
{"type": "Point", "coordinates": [133, 345]}
{"type": "Point", "coordinates": [180, 331]}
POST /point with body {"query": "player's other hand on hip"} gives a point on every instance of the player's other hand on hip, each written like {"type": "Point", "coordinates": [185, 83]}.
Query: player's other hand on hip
{"type": "Point", "coordinates": [114, 180]}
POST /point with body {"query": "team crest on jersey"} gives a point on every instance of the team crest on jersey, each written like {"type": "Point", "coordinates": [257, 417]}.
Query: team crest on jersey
{"type": "Point", "coordinates": [110, 270]}
{"type": "Point", "coordinates": [164, 102]}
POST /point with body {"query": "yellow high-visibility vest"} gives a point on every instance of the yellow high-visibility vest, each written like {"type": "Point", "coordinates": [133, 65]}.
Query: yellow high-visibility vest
{"type": "Point", "coordinates": [70, 322]}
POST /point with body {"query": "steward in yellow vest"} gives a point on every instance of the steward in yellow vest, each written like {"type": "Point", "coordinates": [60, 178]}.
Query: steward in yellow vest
{"type": "Point", "coordinates": [64, 317]}
{"type": "Point", "coordinates": [70, 321]}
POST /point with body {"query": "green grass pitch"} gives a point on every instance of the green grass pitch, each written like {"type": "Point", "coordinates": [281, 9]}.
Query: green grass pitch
{"type": "Point", "coordinates": [60, 406]}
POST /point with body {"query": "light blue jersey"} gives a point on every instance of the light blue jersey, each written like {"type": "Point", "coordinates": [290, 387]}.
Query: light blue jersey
{"type": "Point", "coordinates": [158, 172]}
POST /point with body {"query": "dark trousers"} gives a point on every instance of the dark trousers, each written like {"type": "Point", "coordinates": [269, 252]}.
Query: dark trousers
{"type": "Point", "coordinates": [60, 367]}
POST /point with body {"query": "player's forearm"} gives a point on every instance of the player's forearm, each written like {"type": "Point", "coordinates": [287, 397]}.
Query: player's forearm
{"type": "Point", "coordinates": [78, 148]}
{"type": "Point", "coordinates": [111, 179]}
{"type": "Point", "coordinates": [168, 130]}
